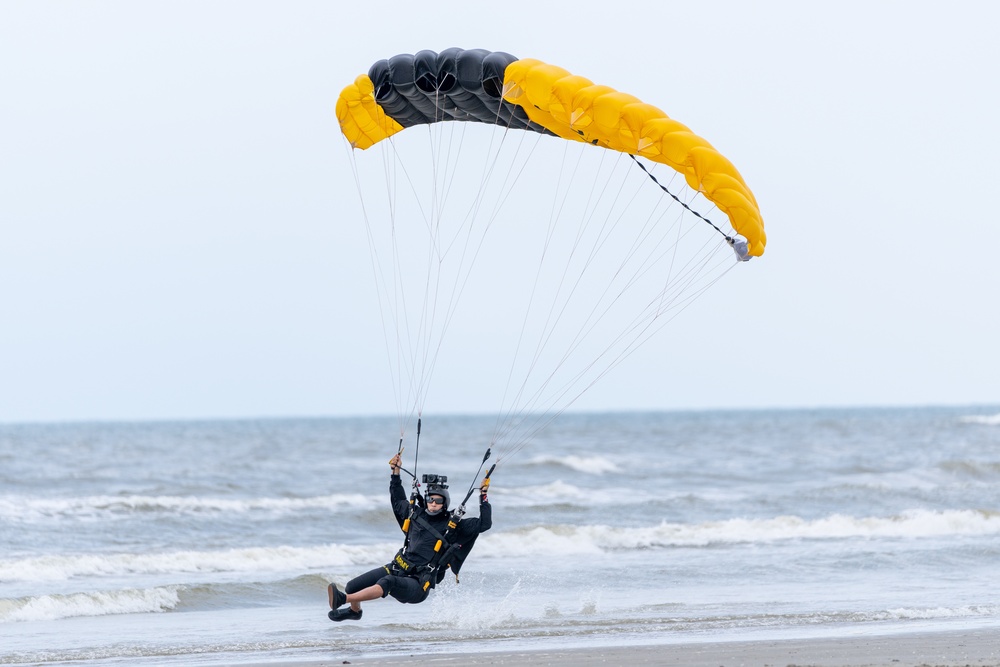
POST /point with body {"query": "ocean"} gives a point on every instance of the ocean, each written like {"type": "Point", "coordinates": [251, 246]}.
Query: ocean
{"type": "Point", "coordinates": [213, 542]}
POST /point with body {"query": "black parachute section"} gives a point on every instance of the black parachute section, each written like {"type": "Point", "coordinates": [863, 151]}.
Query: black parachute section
{"type": "Point", "coordinates": [456, 84]}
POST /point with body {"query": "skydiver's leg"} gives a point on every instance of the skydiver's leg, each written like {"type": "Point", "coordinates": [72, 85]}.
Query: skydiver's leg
{"type": "Point", "coordinates": [365, 587]}
{"type": "Point", "coordinates": [365, 580]}
{"type": "Point", "coordinates": [378, 583]}
{"type": "Point", "coordinates": [373, 592]}
{"type": "Point", "coordinates": [407, 589]}
{"type": "Point", "coordinates": [403, 589]}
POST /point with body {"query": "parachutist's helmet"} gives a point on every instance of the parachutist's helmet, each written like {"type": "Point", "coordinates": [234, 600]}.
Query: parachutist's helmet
{"type": "Point", "coordinates": [437, 486]}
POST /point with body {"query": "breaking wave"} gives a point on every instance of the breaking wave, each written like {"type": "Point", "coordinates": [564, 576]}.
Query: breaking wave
{"type": "Point", "coordinates": [534, 541]}
{"type": "Point", "coordinates": [261, 559]}
{"type": "Point", "coordinates": [543, 540]}
{"type": "Point", "coordinates": [989, 420]}
{"type": "Point", "coordinates": [591, 465]}
{"type": "Point", "coordinates": [96, 603]}
{"type": "Point", "coordinates": [22, 508]}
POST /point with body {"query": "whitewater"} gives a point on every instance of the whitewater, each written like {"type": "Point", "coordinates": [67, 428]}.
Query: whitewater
{"type": "Point", "coordinates": [199, 542]}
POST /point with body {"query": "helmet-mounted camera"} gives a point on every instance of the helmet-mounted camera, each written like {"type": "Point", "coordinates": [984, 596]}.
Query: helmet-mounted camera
{"type": "Point", "coordinates": [435, 480]}
{"type": "Point", "coordinates": [437, 485]}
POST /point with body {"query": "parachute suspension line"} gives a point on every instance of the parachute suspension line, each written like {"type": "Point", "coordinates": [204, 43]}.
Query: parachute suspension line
{"type": "Point", "coordinates": [474, 244]}
{"type": "Point", "coordinates": [470, 249]}
{"type": "Point", "coordinates": [396, 298]}
{"type": "Point", "coordinates": [392, 166]}
{"type": "Point", "coordinates": [469, 252]}
{"type": "Point", "coordinates": [558, 205]}
{"type": "Point", "coordinates": [637, 332]}
{"type": "Point", "coordinates": [381, 284]}
{"type": "Point", "coordinates": [418, 344]}
{"type": "Point", "coordinates": [413, 347]}
{"type": "Point", "coordinates": [551, 323]}
{"type": "Point", "coordinates": [408, 339]}
{"type": "Point", "coordinates": [436, 251]}
{"type": "Point", "coordinates": [599, 243]}
{"type": "Point", "coordinates": [505, 419]}
{"type": "Point", "coordinates": [567, 294]}
{"type": "Point", "coordinates": [442, 245]}
{"type": "Point", "coordinates": [539, 423]}
{"type": "Point", "coordinates": [419, 337]}
{"type": "Point", "coordinates": [433, 263]}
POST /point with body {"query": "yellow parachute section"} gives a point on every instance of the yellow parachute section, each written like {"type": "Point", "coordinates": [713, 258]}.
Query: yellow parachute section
{"type": "Point", "coordinates": [573, 107]}
{"type": "Point", "coordinates": [362, 120]}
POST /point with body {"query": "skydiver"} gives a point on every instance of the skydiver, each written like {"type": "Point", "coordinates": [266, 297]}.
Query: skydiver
{"type": "Point", "coordinates": [414, 571]}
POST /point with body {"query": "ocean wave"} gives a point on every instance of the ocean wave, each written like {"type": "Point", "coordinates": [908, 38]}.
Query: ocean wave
{"type": "Point", "coordinates": [827, 618]}
{"type": "Point", "coordinates": [536, 541]}
{"type": "Point", "coordinates": [591, 465]}
{"type": "Point", "coordinates": [976, 469]}
{"type": "Point", "coordinates": [988, 420]}
{"type": "Point", "coordinates": [554, 540]}
{"type": "Point", "coordinates": [96, 603]}
{"type": "Point", "coordinates": [556, 493]}
{"type": "Point", "coordinates": [260, 559]}
{"type": "Point", "coordinates": [156, 599]}
{"type": "Point", "coordinates": [929, 613]}
{"type": "Point", "coordinates": [28, 508]}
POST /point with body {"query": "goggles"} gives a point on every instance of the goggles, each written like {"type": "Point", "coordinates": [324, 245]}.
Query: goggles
{"type": "Point", "coordinates": [435, 500]}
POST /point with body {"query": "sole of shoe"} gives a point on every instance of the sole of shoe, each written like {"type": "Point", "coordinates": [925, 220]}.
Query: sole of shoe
{"type": "Point", "coordinates": [347, 615]}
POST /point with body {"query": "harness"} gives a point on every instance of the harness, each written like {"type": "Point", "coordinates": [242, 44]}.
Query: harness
{"type": "Point", "coordinates": [448, 553]}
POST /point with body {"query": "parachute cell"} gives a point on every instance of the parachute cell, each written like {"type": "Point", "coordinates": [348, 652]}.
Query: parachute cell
{"type": "Point", "coordinates": [527, 94]}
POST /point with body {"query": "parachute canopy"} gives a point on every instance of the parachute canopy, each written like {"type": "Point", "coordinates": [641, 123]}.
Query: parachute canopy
{"type": "Point", "coordinates": [498, 88]}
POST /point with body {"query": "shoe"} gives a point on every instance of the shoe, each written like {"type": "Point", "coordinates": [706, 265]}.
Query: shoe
{"type": "Point", "coordinates": [337, 596]}
{"type": "Point", "coordinates": [345, 615]}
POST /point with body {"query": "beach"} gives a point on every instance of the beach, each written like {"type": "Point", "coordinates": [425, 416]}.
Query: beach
{"type": "Point", "coordinates": [979, 648]}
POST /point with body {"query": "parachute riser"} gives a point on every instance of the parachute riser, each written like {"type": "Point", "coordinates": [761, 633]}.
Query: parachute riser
{"type": "Point", "coordinates": [415, 493]}
{"type": "Point", "coordinates": [416, 457]}
{"type": "Point", "coordinates": [472, 487]}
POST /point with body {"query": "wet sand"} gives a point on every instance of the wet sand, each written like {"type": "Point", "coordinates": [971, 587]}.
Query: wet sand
{"type": "Point", "coordinates": [977, 648]}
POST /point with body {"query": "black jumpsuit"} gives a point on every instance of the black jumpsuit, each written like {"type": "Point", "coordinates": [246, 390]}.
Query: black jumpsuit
{"type": "Point", "coordinates": [420, 549]}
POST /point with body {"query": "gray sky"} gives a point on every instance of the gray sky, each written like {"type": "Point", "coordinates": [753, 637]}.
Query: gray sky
{"type": "Point", "coordinates": [178, 232]}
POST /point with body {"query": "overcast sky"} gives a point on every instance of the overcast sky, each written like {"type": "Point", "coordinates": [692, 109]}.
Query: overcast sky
{"type": "Point", "coordinates": [178, 221]}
